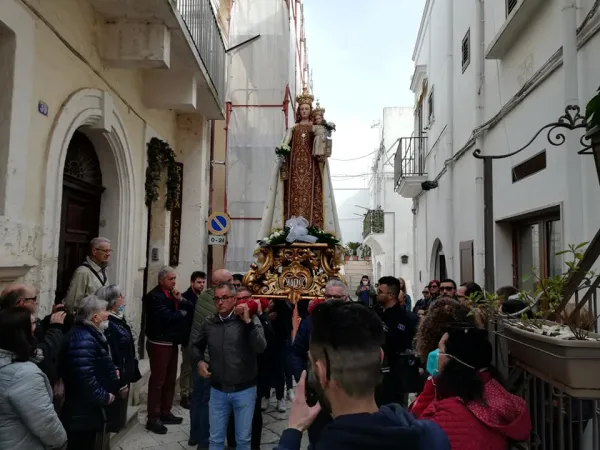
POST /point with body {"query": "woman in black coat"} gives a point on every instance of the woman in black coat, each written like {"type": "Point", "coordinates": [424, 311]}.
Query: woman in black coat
{"type": "Point", "coordinates": [90, 376]}
{"type": "Point", "coordinates": [122, 349]}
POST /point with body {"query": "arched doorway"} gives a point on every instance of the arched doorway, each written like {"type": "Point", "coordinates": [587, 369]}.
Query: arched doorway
{"type": "Point", "coordinates": [438, 261]}
{"type": "Point", "coordinates": [80, 209]}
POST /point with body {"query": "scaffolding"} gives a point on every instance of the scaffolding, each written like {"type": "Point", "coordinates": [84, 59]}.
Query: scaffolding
{"type": "Point", "coordinates": [266, 69]}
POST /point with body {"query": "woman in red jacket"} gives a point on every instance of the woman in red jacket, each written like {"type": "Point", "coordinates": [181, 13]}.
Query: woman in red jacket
{"type": "Point", "coordinates": [465, 399]}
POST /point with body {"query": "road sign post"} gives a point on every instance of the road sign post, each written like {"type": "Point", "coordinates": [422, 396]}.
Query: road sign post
{"type": "Point", "coordinates": [219, 223]}
{"type": "Point", "coordinates": [216, 240]}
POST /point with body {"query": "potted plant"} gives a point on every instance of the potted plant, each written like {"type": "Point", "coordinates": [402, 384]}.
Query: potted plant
{"type": "Point", "coordinates": [365, 252]}
{"type": "Point", "coordinates": [552, 338]}
{"type": "Point", "coordinates": [354, 246]}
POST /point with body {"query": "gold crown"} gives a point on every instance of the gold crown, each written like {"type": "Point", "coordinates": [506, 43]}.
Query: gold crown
{"type": "Point", "coordinates": [318, 111]}
{"type": "Point", "coordinates": [305, 98]}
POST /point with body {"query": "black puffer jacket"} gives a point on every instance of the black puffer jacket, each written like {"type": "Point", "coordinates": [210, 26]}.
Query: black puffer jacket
{"type": "Point", "coordinates": [122, 349]}
{"type": "Point", "coordinates": [90, 376]}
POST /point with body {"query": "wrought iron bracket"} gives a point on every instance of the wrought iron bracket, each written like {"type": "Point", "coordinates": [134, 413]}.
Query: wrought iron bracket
{"type": "Point", "coordinates": [571, 120]}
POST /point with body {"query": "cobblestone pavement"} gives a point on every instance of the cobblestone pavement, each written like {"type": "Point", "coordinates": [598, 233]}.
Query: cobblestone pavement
{"type": "Point", "coordinates": [138, 438]}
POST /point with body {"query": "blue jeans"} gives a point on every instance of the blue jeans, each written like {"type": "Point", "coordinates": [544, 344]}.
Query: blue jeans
{"type": "Point", "coordinates": [199, 409]}
{"type": "Point", "coordinates": [220, 406]}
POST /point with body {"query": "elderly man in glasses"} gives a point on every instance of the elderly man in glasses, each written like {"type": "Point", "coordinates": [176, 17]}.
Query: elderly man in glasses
{"type": "Point", "coordinates": [48, 331]}
{"type": "Point", "coordinates": [90, 275]}
{"type": "Point", "coordinates": [233, 339]}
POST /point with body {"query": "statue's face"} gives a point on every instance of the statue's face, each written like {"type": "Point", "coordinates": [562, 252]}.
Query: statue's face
{"type": "Point", "coordinates": [304, 111]}
{"type": "Point", "coordinates": [318, 119]}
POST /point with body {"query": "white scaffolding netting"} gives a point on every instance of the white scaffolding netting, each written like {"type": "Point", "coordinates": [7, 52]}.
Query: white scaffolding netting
{"type": "Point", "coordinates": [258, 75]}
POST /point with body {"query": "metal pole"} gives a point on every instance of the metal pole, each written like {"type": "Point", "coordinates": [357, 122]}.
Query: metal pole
{"type": "Point", "coordinates": [488, 198]}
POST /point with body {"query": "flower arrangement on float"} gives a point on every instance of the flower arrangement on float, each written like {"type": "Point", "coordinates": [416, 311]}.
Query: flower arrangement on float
{"type": "Point", "coordinates": [297, 229]}
{"type": "Point", "coordinates": [283, 150]}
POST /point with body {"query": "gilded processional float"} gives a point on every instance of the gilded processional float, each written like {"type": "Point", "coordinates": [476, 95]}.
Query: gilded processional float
{"type": "Point", "coordinates": [300, 247]}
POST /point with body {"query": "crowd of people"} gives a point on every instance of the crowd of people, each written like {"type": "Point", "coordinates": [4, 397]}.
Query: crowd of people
{"type": "Point", "coordinates": [65, 379]}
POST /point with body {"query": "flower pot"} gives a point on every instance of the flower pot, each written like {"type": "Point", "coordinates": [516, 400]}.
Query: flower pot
{"type": "Point", "coordinates": [355, 258]}
{"type": "Point", "coordinates": [346, 258]}
{"type": "Point", "coordinates": [569, 365]}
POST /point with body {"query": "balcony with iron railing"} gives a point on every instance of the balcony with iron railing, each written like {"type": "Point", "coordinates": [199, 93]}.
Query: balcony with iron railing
{"type": "Point", "coordinates": [201, 21]}
{"type": "Point", "coordinates": [409, 166]}
{"type": "Point", "coordinates": [176, 43]}
{"type": "Point", "coordinates": [374, 222]}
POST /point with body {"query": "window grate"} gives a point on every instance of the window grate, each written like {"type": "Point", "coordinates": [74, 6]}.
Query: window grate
{"type": "Point", "coordinates": [466, 50]}
{"type": "Point", "coordinates": [510, 5]}
{"type": "Point", "coordinates": [430, 106]}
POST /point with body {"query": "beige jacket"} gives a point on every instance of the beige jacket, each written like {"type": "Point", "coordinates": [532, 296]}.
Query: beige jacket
{"type": "Point", "coordinates": [84, 283]}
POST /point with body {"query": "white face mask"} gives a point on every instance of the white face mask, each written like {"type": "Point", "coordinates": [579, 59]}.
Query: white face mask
{"type": "Point", "coordinates": [103, 325]}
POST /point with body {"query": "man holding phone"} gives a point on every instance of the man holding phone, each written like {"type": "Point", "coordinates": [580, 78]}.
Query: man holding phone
{"type": "Point", "coordinates": [345, 363]}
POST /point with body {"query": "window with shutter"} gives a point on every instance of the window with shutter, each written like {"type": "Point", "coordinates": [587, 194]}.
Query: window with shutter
{"type": "Point", "coordinates": [466, 50]}
{"type": "Point", "coordinates": [467, 265]}
{"type": "Point", "coordinates": [510, 5]}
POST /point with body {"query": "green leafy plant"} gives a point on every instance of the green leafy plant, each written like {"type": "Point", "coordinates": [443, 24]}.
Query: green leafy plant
{"type": "Point", "coordinates": [354, 246]}
{"type": "Point", "coordinates": [544, 312]}
{"type": "Point", "coordinates": [161, 156]}
{"type": "Point", "coordinates": [592, 111]}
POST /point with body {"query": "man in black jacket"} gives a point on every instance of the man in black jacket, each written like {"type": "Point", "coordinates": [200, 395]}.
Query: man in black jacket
{"type": "Point", "coordinates": [233, 339]}
{"type": "Point", "coordinates": [197, 283]}
{"type": "Point", "coordinates": [400, 370]}
{"type": "Point", "coordinates": [166, 327]}
{"type": "Point", "coordinates": [48, 332]}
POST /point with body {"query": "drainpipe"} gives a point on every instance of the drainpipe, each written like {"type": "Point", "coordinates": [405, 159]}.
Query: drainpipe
{"type": "Point", "coordinates": [415, 243]}
{"type": "Point", "coordinates": [450, 245]}
{"type": "Point", "coordinates": [482, 268]}
{"type": "Point", "coordinates": [393, 214]}
{"type": "Point", "coordinates": [573, 206]}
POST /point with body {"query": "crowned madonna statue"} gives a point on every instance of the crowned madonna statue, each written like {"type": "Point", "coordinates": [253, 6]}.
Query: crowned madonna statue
{"type": "Point", "coordinates": [300, 181]}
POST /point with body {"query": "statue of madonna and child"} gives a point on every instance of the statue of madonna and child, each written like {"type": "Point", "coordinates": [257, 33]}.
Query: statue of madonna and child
{"type": "Point", "coordinates": [300, 183]}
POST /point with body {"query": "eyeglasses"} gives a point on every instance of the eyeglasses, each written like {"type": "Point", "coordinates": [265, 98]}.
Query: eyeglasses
{"type": "Point", "coordinates": [222, 299]}
{"type": "Point", "coordinates": [446, 288]}
{"type": "Point", "coordinates": [30, 299]}
{"type": "Point", "coordinates": [104, 250]}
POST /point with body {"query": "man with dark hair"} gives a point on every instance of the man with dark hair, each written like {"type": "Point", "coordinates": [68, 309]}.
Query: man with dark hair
{"type": "Point", "coordinates": [400, 371]}
{"type": "Point", "coordinates": [197, 282]}
{"type": "Point", "coordinates": [469, 290]}
{"type": "Point", "coordinates": [335, 290]}
{"type": "Point", "coordinates": [238, 280]}
{"type": "Point", "coordinates": [448, 288]}
{"type": "Point", "coordinates": [345, 359]}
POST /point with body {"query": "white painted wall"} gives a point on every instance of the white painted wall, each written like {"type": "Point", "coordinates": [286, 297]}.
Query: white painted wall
{"type": "Point", "coordinates": [454, 124]}
{"type": "Point", "coordinates": [111, 103]}
{"type": "Point", "coordinates": [397, 239]}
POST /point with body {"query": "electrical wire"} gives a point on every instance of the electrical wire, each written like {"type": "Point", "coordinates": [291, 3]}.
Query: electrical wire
{"type": "Point", "coordinates": [354, 159]}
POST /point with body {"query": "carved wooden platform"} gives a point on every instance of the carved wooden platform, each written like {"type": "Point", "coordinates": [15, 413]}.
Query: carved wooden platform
{"type": "Point", "coordinates": [296, 271]}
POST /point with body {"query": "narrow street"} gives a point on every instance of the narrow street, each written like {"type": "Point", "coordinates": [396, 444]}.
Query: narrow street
{"type": "Point", "coordinates": [138, 438]}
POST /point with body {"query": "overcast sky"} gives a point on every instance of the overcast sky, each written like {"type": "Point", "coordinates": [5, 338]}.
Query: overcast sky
{"type": "Point", "coordinates": [360, 54]}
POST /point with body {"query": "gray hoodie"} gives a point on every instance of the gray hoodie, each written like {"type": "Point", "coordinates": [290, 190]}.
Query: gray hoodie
{"type": "Point", "coordinates": [27, 417]}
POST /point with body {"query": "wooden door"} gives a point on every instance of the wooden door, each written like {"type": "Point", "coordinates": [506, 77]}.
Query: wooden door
{"type": "Point", "coordinates": [80, 212]}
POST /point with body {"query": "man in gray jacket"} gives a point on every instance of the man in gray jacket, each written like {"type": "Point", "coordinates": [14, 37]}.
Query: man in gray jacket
{"type": "Point", "coordinates": [233, 339]}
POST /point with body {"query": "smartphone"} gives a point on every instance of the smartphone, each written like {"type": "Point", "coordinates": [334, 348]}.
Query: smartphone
{"type": "Point", "coordinates": [309, 388]}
